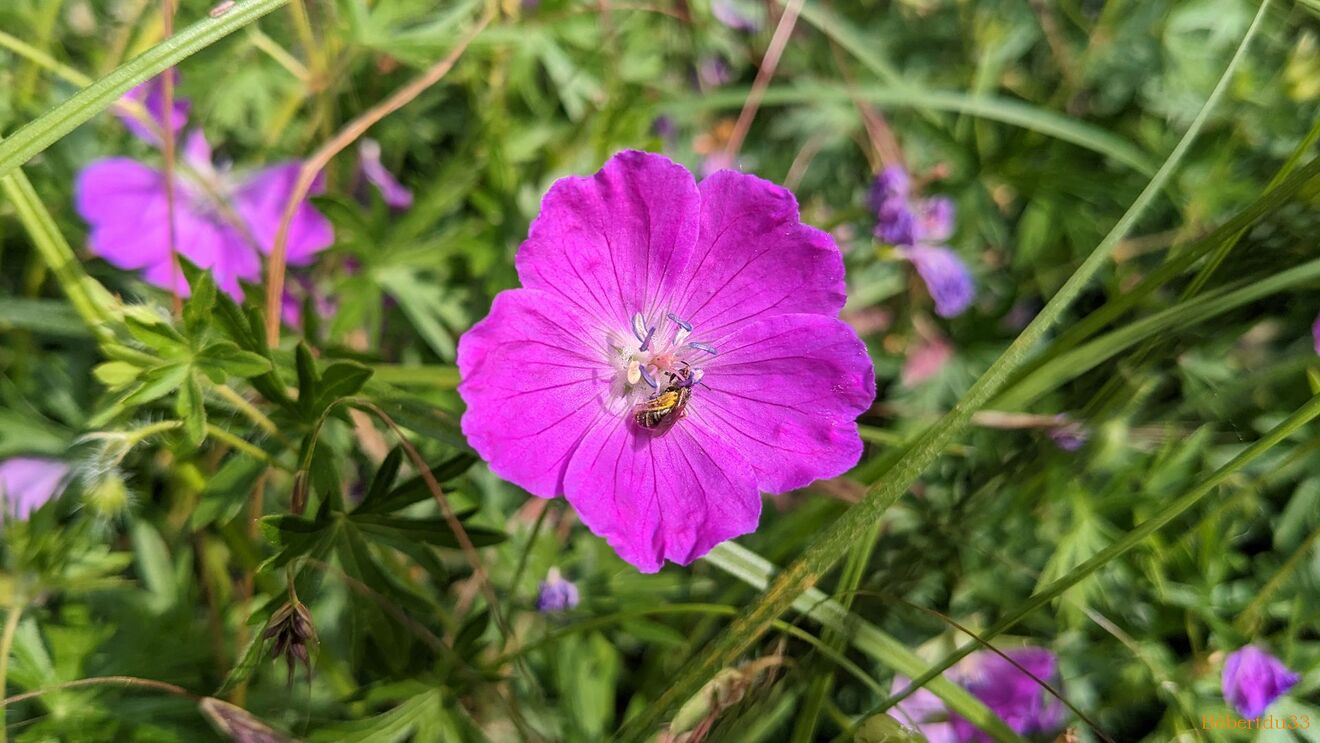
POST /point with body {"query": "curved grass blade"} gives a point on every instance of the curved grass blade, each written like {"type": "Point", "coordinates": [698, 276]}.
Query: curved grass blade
{"type": "Point", "coordinates": [1286, 428]}
{"type": "Point", "coordinates": [35, 136]}
{"type": "Point", "coordinates": [1003, 110]}
{"type": "Point", "coordinates": [1082, 359]}
{"type": "Point", "coordinates": [822, 554]}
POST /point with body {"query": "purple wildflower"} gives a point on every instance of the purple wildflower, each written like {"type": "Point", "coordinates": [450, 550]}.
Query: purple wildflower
{"type": "Point", "coordinates": [1012, 695]}
{"type": "Point", "coordinates": [1253, 679]}
{"type": "Point", "coordinates": [919, 228]}
{"type": "Point", "coordinates": [391, 190]}
{"type": "Point", "coordinates": [151, 96]}
{"type": "Point", "coordinates": [732, 14]}
{"type": "Point", "coordinates": [716, 293]}
{"type": "Point", "coordinates": [27, 483]}
{"type": "Point", "coordinates": [946, 277]}
{"type": "Point", "coordinates": [296, 290]}
{"type": "Point", "coordinates": [714, 71]}
{"type": "Point", "coordinates": [222, 221]}
{"type": "Point", "coordinates": [556, 594]}
{"type": "Point", "coordinates": [1069, 435]}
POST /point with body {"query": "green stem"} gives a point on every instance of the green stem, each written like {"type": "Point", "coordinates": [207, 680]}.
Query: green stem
{"type": "Point", "coordinates": [6, 645]}
{"type": "Point", "coordinates": [822, 554]}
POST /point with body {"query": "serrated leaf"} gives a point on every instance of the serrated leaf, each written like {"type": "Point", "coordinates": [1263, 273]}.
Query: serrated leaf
{"type": "Point", "coordinates": [415, 489]}
{"type": "Point", "coordinates": [156, 335]}
{"type": "Point", "coordinates": [382, 481]}
{"type": "Point", "coordinates": [434, 531]}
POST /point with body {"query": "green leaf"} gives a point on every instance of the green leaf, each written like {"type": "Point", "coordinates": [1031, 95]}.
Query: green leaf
{"type": "Point", "coordinates": [154, 333]}
{"type": "Point", "coordinates": [197, 310]}
{"type": "Point", "coordinates": [308, 380]}
{"type": "Point", "coordinates": [227, 356]}
{"type": "Point", "coordinates": [382, 481]}
{"type": "Point", "coordinates": [416, 489]}
{"type": "Point", "coordinates": [116, 375]}
{"type": "Point", "coordinates": [158, 382]}
{"type": "Point", "coordinates": [341, 379]}
{"type": "Point", "coordinates": [51, 126]}
{"type": "Point", "coordinates": [191, 407]}
{"type": "Point", "coordinates": [431, 531]}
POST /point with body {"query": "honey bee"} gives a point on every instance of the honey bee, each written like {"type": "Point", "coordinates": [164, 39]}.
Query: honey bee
{"type": "Point", "coordinates": [665, 407]}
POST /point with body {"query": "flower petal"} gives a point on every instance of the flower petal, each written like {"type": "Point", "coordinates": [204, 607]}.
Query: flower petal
{"type": "Point", "coordinates": [260, 201]}
{"type": "Point", "coordinates": [786, 392]}
{"type": "Point", "coordinates": [532, 388]}
{"type": "Point", "coordinates": [754, 259]}
{"type": "Point", "coordinates": [124, 202]}
{"type": "Point", "coordinates": [614, 244]}
{"type": "Point", "coordinates": [394, 193]}
{"type": "Point", "coordinates": [26, 483]}
{"type": "Point", "coordinates": [946, 277]}
{"type": "Point", "coordinates": [151, 96]}
{"type": "Point", "coordinates": [668, 497]}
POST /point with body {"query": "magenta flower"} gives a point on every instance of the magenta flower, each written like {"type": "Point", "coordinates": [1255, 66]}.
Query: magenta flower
{"type": "Point", "coordinates": [675, 350]}
{"type": "Point", "coordinates": [1012, 695]}
{"type": "Point", "coordinates": [223, 221]}
{"type": "Point", "coordinates": [1315, 333]}
{"type": "Point", "coordinates": [27, 483]}
{"type": "Point", "coordinates": [391, 190]}
{"type": "Point", "coordinates": [1253, 679]}
{"type": "Point", "coordinates": [555, 594]}
{"type": "Point", "coordinates": [946, 277]}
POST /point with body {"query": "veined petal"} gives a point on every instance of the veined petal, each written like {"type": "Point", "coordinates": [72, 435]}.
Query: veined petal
{"type": "Point", "coordinates": [667, 497]}
{"type": "Point", "coordinates": [260, 201]}
{"type": "Point", "coordinates": [786, 391]}
{"type": "Point", "coordinates": [614, 244]}
{"type": "Point", "coordinates": [533, 388]}
{"type": "Point", "coordinates": [754, 258]}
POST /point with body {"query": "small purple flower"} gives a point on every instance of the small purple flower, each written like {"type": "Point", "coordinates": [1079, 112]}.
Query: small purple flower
{"type": "Point", "coordinates": [27, 483]}
{"type": "Point", "coordinates": [893, 184]}
{"type": "Point", "coordinates": [1069, 435]}
{"type": "Point", "coordinates": [556, 594]}
{"type": "Point", "coordinates": [732, 14]}
{"type": "Point", "coordinates": [296, 290]}
{"type": "Point", "coordinates": [642, 289]}
{"type": "Point", "coordinates": [1253, 679]}
{"type": "Point", "coordinates": [1016, 698]}
{"type": "Point", "coordinates": [714, 71]}
{"type": "Point", "coordinates": [394, 193]}
{"type": "Point", "coordinates": [946, 277]}
{"type": "Point", "coordinates": [1315, 333]}
{"type": "Point", "coordinates": [223, 221]}
{"type": "Point", "coordinates": [151, 96]}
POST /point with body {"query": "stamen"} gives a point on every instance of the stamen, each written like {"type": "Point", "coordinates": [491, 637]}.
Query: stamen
{"type": "Point", "coordinates": [646, 343]}
{"type": "Point", "coordinates": [634, 371]}
{"type": "Point", "coordinates": [684, 324]}
{"type": "Point", "coordinates": [703, 347]}
{"type": "Point", "coordinates": [647, 376]}
{"type": "Point", "coordinates": [639, 326]}
{"type": "Point", "coordinates": [695, 377]}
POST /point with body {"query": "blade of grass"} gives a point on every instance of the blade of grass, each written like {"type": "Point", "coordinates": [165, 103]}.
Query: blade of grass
{"type": "Point", "coordinates": [1003, 110]}
{"type": "Point", "coordinates": [37, 135]}
{"type": "Point", "coordinates": [1078, 361]}
{"type": "Point", "coordinates": [822, 554]}
{"type": "Point", "coordinates": [90, 300]}
{"type": "Point", "coordinates": [1291, 424]}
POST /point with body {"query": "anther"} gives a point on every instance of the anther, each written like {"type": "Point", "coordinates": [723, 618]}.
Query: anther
{"type": "Point", "coordinates": [634, 371]}
{"type": "Point", "coordinates": [703, 347]}
{"type": "Point", "coordinates": [639, 326]}
{"type": "Point", "coordinates": [646, 342]}
{"type": "Point", "coordinates": [684, 324]}
{"type": "Point", "coordinates": [647, 376]}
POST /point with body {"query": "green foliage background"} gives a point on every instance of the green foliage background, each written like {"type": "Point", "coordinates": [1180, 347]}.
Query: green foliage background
{"type": "Point", "coordinates": [1185, 528]}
